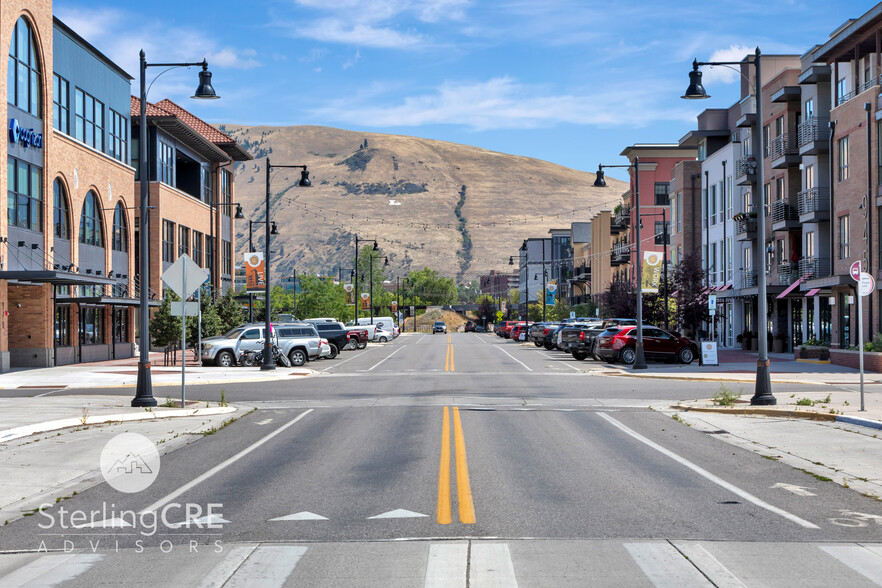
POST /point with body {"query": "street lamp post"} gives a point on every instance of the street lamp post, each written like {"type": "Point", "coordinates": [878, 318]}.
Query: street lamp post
{"type": "Point", "coordinates": [599, 182]}
{"type": "Point", "coordinates": [273, 231]}
{"type": "Point", "coordinates": [268, 361]}
{"type": "Point", "coordinates": [144, 388]}
{"type": "Point", "coordinates": [763, 389]}
{"type": "Point", "coordinates": [526, 280]}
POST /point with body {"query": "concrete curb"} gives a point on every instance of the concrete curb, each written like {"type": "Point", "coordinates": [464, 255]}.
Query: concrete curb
{"type": "Point", "coordinates": [859, 421]}
{"type": "Point", "coordinates": [711, 379]}
{"type": "Point", "coordinates": [196, 382]}
{"type": "Point", "coordinates": [45, 427]}
{"type": "Point", "coordinates": [762, 411]}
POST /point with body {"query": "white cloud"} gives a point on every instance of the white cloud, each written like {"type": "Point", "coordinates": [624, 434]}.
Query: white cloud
{"type": "Point", "coordinates": [332, 30]}
{"type": "Point", "coordinates": [725, 74]}
{"type": "Point", "coordinates": [503, 103]}
{"type": "Point", "coordinates": [354, 61]}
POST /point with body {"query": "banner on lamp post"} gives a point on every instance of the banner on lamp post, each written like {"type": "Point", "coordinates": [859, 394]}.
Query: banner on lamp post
{"type": "Point", "coordinates": [349, 291]}
{"type": "Point", "coordinates": [651, 274]}
{"type": "Point", "coordinates": [394, 306]}
{"type": "Point", "coordinates": [365, 301]}
{"type": "Point", "coordinates": [550, 293]}
{"type": "Point", "coordinates": [255, 272]}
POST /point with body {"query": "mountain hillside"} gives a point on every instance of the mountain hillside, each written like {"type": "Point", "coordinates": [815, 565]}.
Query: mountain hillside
{"type": "Point", "coordinates": [458, 209]}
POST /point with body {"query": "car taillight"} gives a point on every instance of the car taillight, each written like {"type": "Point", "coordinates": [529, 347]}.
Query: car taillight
{"type": "Point", "coordinates": [325, 342]}
{"type": "Point", "coordinates": [546, 331]}
{"type": "Point", "coordinates": [581, 335]}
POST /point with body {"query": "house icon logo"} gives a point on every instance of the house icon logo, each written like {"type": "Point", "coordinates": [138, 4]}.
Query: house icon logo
{"type": "Point", "coordinates": [130, 462]}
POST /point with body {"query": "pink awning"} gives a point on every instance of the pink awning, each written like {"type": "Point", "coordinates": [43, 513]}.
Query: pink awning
{"type": "Point", "coordinates": [789, 288]}
{"type": "Point", "coordinates": [812, 292]}
{"type": "Point", "coordinates": [726, 287]}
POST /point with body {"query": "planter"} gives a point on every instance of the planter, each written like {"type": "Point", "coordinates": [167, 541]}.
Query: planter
{"type": "Point", "coordinates": [779, 346]}
{"type": "Point", "coordinates": [812, 352]}
{"type": "Point", "coordinates": [754, 344]}
{"type": "Point", "coordinates": [847, 358]}
{"type": "Point", "coordinates": [745, 344]}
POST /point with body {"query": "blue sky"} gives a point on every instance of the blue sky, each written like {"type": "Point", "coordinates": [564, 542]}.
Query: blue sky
{"type": "Point", "coordinates": [568, 81]}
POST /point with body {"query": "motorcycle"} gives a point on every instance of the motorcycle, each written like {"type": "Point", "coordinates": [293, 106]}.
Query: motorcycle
{"type": "Point", "coordinates": [252, 358]}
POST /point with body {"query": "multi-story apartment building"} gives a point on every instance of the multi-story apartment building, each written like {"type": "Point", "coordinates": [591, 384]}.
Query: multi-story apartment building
{"type": "Point", "coordinates": [498, 284]}
{"type": "Point", "coordinates": [580, 282]}
{"type": "Point", "coordinates": [560, 268]}
{"type": "Point", "coordinates": [533, 255]}
{"type": "Point", "coordinates": [604, 256]}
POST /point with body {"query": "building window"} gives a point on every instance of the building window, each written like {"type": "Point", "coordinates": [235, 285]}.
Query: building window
{"type": "Point", "coordinates": [662, 189]}
{"type": "Point", "coordinates": [210, 254]}
{"type": "Point", "coordinates": [136, 158]}
{"type": "Point", "coordinates": [226, 190]}
{"type": "Point", "coordinates": [767, 140]}
{"type": "Point", "coordinates": [712, 204]}
{"type": "Point", "coordinates": [770, 256]}
{"type": "Point", "coordinates": [120, 325]}
{"type": "Point", "coordinates": [120, 229]}
{"type": "Point", "coordinates": [844, 321]}
{"type": "Point", "coordinates": [91, 325]}
{"type": "Point", "coordinates": [779, 250]}
{"type": "Point", "coordinates": [843, 158]}
{"type": "Point", "coordinates": [183, 240]}
{"type": "Point", "coordinates": [168, 240]}
{"type": "Point", "coordinates": [91, 229]}
{"type": "Point", "coordinates": [809, 245]}
{"type": "Point", "coordinates": [119, 134]}
{"type": "Point", "coordinates": [767, 197]}
{"type": "Point", "coordinates": [227, 268]}
{"type": "Point", "coordinates": [166, 164]}
{"type": "Point", "coordinates": [62, 325]}
{"type": "Point", "coordinates": [61, 216]}
{"type": "Point", "coordinates": [779, 188]}
{"type": "Point", "coordinates": [89, 120]}
{"type": "Point", "coordinates": [60, 103]}
{"type": "Point", "coordinates": [206, 184]}
{"type": "Point", "coordinates": [23, 78]}
{"type": "Point", "coordinates": [841, 88]}
{"type": "Point", "coordinates": [779, 126]}
{"type": "Point", "coordinates": [843, 237]}
{"type": "Point", "coordinates": [661, 231]}
{"type": "Point", "coordinates": [197, 248]}
{"type": "Point", "coordinates": [24, 197]}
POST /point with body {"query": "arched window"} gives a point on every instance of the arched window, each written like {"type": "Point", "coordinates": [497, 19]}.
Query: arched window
{"type": "Point", "coordinates": [91, 232]}
{"type": "Point", "coordinates": [62, 214]}
{"type": "Point", "coordinates": [23, 79]}
{"type": "Point", "coordinates": [120, 231]}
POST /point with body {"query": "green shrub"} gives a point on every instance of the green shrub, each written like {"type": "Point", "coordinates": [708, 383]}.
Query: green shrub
{"type": "Point", "coordinates": [726, 397]}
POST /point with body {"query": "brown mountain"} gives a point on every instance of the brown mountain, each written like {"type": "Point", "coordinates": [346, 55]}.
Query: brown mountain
{"type": "Point", "coordinates": [458, 209]}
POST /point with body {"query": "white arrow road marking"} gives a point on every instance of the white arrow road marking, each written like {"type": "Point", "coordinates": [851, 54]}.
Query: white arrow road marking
{"type": "Point", "coordinates": [798, 490]}
{"type": "Point", "coordinates": [398, 513]}
{"type": "Point", "coordinates": [301, 516]}
{"type": "Point", "coordinates": [264, 422]}
{"type": "Point", "coordinates": [105, 524]}
{"type": "Point", "coordinates": [208, 521]}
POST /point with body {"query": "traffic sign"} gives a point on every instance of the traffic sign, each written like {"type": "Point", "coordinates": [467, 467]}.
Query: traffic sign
{"type": "Point", "coordinates": [866, 285]}
{"type": "Point", "coordinates": [712, 302]}
{"type": "Point", "coordinates": [184, 276]}
{"type": "Point", "coordinates": [855, 271]}
{"type": "Point", "coordinates": [178, 308]}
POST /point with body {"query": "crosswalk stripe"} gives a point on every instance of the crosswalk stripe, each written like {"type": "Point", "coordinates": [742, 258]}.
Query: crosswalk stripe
{"type": "Point", "coordinates": [860, 559]}
{"type": "Point", "coordinates": [268, 567]}
{"type": "Point", "coordinates": [491, 566]}
{"type": "Point", "coordinates": [50, 570]}
{"type": "Point", "coordinates": [447, 565]}
{"type": "Point", "coordinates": [665, 566]}
{"type": "Point", "coordinates": [708, 564]}
{"type": "Point", "coordinates": [227, 567]}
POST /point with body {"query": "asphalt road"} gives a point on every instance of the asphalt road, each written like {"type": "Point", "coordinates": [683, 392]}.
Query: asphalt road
{"type": "Point", "coordinates": [414, 459]}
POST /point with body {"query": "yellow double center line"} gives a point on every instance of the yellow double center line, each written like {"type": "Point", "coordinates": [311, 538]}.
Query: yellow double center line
{"type": "Point", "coordinates": [448, 364]}
{"type": "Point", "coordinates": [463, 485]}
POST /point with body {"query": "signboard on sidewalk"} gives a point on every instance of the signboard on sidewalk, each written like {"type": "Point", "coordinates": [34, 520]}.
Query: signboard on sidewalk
{"type": "Point", "coordinates": [709, 353]}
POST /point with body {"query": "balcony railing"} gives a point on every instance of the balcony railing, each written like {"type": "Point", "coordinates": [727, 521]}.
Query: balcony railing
{"type": "Point", "coordinates": [782, 145]}
{"type": "Point", "coordinates": [814, 200]}
{"type": "Point", "coordinates": [744, 224]}
{"type": "Point", "coordinates": [623, 216]}
{"type": "Point", "coordinates": [621, 251]}
{"type": "Point", "coordinates": [745, 279]}
{"type": "Point", "coordinates": [745, 166]}
{"type": "Point", "coordinates": [859, 90]}
{"type": "Point", "coordinates": [783, 211]}
{"type": "Point", "coordinates": [787, 273]}
{"type": "Point", "coordinates": [814, 129]}
{"type": "Point", "coordinates": [582, 271]}
{"type": "Point", "coordinates": [811, 268]}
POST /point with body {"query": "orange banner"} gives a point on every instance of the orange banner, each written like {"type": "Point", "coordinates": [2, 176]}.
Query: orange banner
{"type": "Point", "coordinates": [365, 301]}
{"type": "Point", "coordinates": [255, 272]}
{"type": "Point", "coordinates": [349, 289]}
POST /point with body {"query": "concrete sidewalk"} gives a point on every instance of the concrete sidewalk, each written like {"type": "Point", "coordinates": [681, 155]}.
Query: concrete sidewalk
{"type": "Point", "coordinates": [124, 372]}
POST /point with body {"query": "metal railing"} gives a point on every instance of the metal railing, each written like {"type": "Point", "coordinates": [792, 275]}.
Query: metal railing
{"type": "Point", "coordinates": [582, 270]}
{"type": "Point", "coordinates": [814, 129]}
{"type": "Point", "coordinates": [745, 225]}
{"type": "Point", "coordinates": [859, 90]}
{"type": "Point", "coordinates": [623, 216]}
{"type": "Point", "coordinates": [814, 200]}
{"type": "Point", "coordinates": [621, 250]}
{"type": "Point", "coordinates": [782, 145]}
{"type": "Point", "coordinates": [787, 273]}
{"type": "Point", "coordinates": [745, 279]}
{"type": "Point", "coordinates": [745, 166]}
{"type": "Point", "coordinates": [783, 211]}
{"type": "Point", "coordinates": [813, 267]}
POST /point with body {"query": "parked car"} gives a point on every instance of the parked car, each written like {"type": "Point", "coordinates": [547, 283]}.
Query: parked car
{"type": "Point", "coordinates": [519, 331]}
{"type": "Point", "coordinates": [580, 340]}
{"type": "Point", "coordinates": [299, 342]}
{"type": "Point", "coordinates": [382, 336]}
{"type": "Point", "coordinates": [479, 329]}
{"type": "Point", "coordinates": [540, 331]}
{"type": "Point", "coordinates": [223, 350]}
{"type": "Point", "coordinates": [358, 337]}
{"type": "Point", "coordinates": [504, 328]}
{"type": "Point", "coordinates": [439, 327]}
{"type": "Point", "coordinates": [334, 332]}
{"type": "Point", "coordinates": [325, 349]}
{"type": "Point", "coordinates": [618, 343]}
{"type": "Point", "coordinates": [469, 327]}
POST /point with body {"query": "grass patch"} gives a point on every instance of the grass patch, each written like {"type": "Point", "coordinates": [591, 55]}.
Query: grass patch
{"type": "Point", "coordinates": [770, 457]}
{"type": "Point", "coordinates": [818, 477]}
{"type": "Point", "coordinates": [804, 402]}
{"type": "Point", "coordinates": [726, 396]}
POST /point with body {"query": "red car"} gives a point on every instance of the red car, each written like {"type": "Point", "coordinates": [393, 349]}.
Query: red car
{"type": "Point", "coordinates": [504, 328]}
{"type": "Point", "coordinates": [618, 343]}
{"type": "Point", "coordinates": [518, 330]}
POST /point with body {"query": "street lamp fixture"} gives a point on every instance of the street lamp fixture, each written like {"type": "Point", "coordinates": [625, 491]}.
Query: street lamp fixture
{"type": "Point", "coordinates": [763, 388]}
{"type": "Point", "coordinates": [600, 182]}
{"type": "Point", "coordinates": [268, 362]}
{"type": "Point", "coordinates": [205, 91]}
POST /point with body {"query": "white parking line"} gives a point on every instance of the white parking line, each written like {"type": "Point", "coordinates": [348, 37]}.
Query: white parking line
{"type": "Point", "coordinates": [51, 570]}
{"type": "Point", "coordinates": [514, 358]}
{"type": "Point", "coordinates": [706, 474]}
{"type": "Point", "coordinates": [221, 466]}
{"type": "Point", "coordinates": [385, 358]}
{"type": "Point", "coordinates": [339, 363]}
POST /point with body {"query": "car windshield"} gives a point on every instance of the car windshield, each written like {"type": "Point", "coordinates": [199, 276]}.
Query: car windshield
{"type": "Point", "coordinates": [231, 334]}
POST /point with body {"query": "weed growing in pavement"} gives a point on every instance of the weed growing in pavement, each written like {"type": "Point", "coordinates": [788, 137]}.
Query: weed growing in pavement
{"type": "Point", "coordinates": [818, 477]}
{"type": "Point", "coordinates": [804, 402]}
{"type": "Point", "coordinates": [826, 400]}
{"type": "Point", "coordinates": [846, 403]}
{"type": "Point", "coordinates": [679, 419]}
{"type": "Point", "coordinates": [223, 400]}
{"type": "Point", "coordinates": [793, 396]}
{"type": "Point", "coordinates": [832, 411]}
{"type": "Point", "coordinates": [169, 403]}
{"type": "Point", "coordinates": [85, 416]}
{"type": "Point", "coordinates": [769, 457]}
{"type": "Point", "coordinates": [727, 397]}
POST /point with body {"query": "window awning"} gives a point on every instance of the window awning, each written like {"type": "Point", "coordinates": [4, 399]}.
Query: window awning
{"type": "Point", "coordinates": [812, 292]}
{"type": "Point", "coordinates": [57, 278]}
{"type": "Point", "coordinates": [109, 300]}
{"type": "Point", "coordinates": [789, 288]}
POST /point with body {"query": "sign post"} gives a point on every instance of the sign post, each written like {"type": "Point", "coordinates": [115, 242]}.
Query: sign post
{"type": "Point", "coordinates": [184, 277]}
{"type": "Point", "coordinates": [866, 285]}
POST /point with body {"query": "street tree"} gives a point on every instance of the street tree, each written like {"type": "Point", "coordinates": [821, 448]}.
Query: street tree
{"type": "Point", "coordinates": [432, 289]}
{"type": "Point", "coordinates": [691, 302]}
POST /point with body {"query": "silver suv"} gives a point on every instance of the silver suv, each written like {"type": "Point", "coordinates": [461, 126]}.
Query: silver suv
{"type": "Point", "coordinates": [223, 350]}
{"type": "Point", "coordinates": [439, 327]}
{"type": "Point", "coordinates": [299, 341]}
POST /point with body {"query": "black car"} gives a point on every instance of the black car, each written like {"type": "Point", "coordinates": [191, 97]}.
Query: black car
{"type": "Point", "coordinates": [335, 333]}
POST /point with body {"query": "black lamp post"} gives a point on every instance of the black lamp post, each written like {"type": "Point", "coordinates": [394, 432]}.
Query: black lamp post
{"type": "Point", "coordinates": [144, 388]}
{"type": "Point", "coordinates": [763, 389]}
{"type": "Point", "coordinates": [526, 280]}
{"type": "Point", "coordinates": [268, 362]}
{"type": "Point", "coordinates": [599, 182]}
{"type": "Point", "coordinates": [273, 231]}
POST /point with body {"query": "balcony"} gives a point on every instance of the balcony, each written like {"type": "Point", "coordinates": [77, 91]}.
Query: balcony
{"type": "Point", "coordinates": [813, 136]}
{"type": "Point", "coordinates": [747, 117]}
{"type": "Point", "coordinates": [783, 151]}
{"type": "Point", "coordinates": [745, 170]}
{"type": "Point", "coordinates": [784, 215]}
{"type": "Point", "coordinates": [814, 205]}
{"type": "Point", "coordinates": [621, 252]}
{"type": "Point", "coordinates": [811, 268]}
{"type": "Point", "coordinates": [745, 279]}
{"type": "Point", "coordinates": [581, 273]}
{"type": "Point", "coordinates": [787, 273]}
{"type": "Point", "coordinates": [745, 227]}
{"type": "Point", "coordinates": [859, 90]}
{"type": "Point", "coordinates": [620, 220]}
